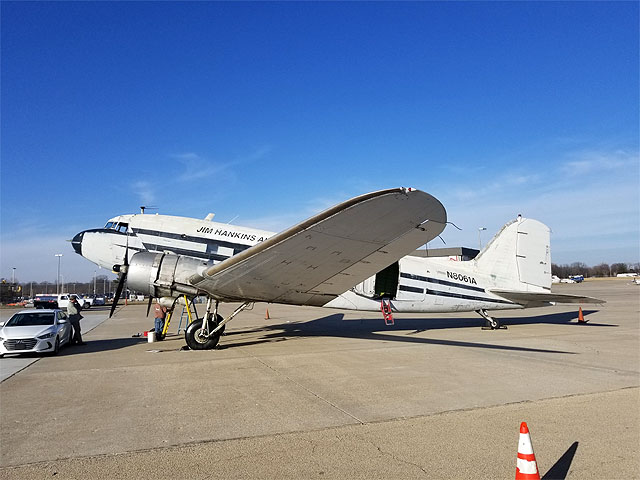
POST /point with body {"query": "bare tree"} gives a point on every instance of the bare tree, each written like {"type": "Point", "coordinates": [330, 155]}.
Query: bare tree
{"type": "Point", "coordinates": [617, 268]}
{"type": "Point", "coordinates": [601, 270]}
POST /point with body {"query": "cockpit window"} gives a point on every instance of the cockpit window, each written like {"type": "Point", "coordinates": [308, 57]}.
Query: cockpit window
{"type": "Point", "coordinates": [121, 227]}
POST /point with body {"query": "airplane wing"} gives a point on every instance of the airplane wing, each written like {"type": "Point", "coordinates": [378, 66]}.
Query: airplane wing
{"type": "Point", "coordinates": [313, 262]}
{"type": "Point", "coordinates": [531, 299]}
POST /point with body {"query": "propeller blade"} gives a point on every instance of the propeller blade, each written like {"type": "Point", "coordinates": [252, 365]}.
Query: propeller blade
{"type": "Point", "coordinates": [149, 305]}
{"type": "Point", "coordinates": [123, 278]}
{"type": "Point", "coordinates": [116, 298]}
{"type": "Point", "coordinates": [126, 253]}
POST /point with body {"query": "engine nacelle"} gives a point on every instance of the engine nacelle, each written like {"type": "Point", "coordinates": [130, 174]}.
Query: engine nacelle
{"type": "Point", "coordinates": [164, 274]}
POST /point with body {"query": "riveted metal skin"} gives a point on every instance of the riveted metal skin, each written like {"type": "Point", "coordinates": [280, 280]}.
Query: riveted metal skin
{"type": "Point", "coordinates": [163, 274]}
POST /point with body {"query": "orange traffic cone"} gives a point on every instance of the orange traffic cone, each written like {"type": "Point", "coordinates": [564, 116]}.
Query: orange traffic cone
{"type": "Point", "coordinates": [581, 316]}
{"type": "Point", "coordinates": [266, 315]}
{"type": "Point", "coordinates": [526, 467]}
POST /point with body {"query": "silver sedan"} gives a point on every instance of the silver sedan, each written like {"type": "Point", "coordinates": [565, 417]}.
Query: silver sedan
{"type": "Point", "coordinates": [35, 331]}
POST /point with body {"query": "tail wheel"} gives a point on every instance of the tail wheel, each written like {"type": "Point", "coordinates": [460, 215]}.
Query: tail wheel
{"type": "Point", "coordinates": [196, 341]}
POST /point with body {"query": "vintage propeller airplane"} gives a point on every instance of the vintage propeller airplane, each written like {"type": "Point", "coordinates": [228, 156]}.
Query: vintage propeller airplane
{"type": "Point", "coordinates": [357, 255]}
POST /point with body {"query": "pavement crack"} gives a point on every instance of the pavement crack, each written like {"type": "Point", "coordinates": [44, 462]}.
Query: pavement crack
{"type": "Point", "coordinates": [319, 397]}
{"type": "Point", "coordinates": [398, 459]}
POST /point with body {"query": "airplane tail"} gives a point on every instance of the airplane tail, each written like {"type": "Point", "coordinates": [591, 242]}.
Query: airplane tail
{"type": "Point", "coordinates": [519, 257]}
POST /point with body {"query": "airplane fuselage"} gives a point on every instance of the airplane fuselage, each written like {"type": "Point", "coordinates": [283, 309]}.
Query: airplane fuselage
{"type": "Point", "coordinates": [206, 240]}
{"type": "Point", "coordinates": [357, 255]}
{"type": "Point", "coordinates": [426, 285]}
{"type": "Point", "coordinates": [413, 284]}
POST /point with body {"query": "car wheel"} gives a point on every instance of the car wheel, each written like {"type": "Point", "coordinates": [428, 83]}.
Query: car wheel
{"type": "Point", "coordinates": [56, 347]}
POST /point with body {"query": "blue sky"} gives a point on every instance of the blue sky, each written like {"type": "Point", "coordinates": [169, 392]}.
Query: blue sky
{"type": "Point", "coordinates": [269, 112]}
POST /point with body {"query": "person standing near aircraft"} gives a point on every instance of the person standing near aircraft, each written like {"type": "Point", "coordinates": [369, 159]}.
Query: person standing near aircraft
{"type": "Point", "coordinates": [73, 311]}
{"type": "Point", "coordinates": [160, 313]}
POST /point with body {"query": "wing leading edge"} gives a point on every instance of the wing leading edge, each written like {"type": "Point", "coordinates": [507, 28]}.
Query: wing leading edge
{"type": "Point", "coordinates": [316, 260]}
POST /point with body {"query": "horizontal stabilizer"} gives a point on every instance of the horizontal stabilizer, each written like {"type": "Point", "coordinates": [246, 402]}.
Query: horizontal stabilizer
{"type": "Point", "coordinates": [527, 298]}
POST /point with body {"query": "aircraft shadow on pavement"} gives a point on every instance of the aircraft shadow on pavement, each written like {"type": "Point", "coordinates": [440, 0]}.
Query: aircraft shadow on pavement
{"type": "Point", "coordinates": [374, 329]}
{"type": "Point", "coordinates": [560, 469]}
{"type": "Point", "coordinates": [554, 319]}
{"type": "Point", "coordinates": [101, 345]}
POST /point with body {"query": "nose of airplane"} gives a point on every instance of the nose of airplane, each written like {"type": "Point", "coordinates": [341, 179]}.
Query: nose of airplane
{"type": "Point", "coordinates": [77, 243]}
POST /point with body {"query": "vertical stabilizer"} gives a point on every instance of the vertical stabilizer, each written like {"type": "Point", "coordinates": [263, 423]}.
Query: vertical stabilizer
{"type": "Point", "coordinates": [519, 256]}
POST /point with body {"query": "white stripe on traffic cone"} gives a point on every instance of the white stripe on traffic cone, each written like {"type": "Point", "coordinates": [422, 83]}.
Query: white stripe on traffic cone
{"type": "Point", "coordinates": [526, 466]}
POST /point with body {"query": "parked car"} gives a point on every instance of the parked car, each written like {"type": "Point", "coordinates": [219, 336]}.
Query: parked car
{"type": "Point", "coordinates": [98, 300]}
{"type": "Point", "coordinates": [63, 301]}
{"type": "Point", "coordinates": [86, 301]}
{"type": "Point", "coordinates": [45, 301]}
{"type": "Point", "coordinates": [35, 331]}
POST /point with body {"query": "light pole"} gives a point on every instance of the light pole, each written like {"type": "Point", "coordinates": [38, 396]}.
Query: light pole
{"type": "Point", "coordinates": [94, 283]}
{"type": "Point", "coordinates": [59, 255]}
{"type": "Point", "coordinates": [13, 275]}
{"type": "Point", "coordinates": [480, 229]}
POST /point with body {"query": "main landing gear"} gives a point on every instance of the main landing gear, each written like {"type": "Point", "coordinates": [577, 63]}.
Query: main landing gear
{"type": "Point", "coordinates": [204, 333]}
{"type": "Point", "coordinates": [490, 322]}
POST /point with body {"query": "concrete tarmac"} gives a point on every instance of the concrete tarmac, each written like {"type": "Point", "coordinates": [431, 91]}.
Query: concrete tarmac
{"type": "Point", "coordinates": [317, 393]}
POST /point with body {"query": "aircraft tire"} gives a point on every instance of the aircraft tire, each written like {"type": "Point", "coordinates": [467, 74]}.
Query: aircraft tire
{"type": "Point", "coordinates": [196, 343]}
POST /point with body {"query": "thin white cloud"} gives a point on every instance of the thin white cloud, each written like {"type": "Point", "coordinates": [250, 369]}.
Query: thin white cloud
{"type": "Point", "coordinates": [195, 167]}
{"type": "Point", "coordinates": [589, 198]}
{"type": "Point", "coordinates": [590, 162]}
{"type": "Point", "coordinates": [277, 222]}
{"type": "Point", "coordinates": [144, 190]}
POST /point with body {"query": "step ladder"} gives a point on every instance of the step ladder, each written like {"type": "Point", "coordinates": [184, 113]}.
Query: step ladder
{"type": "Point", "coordinates": [182, 315]}
{"type": "Point", "coordinates": [385, 308]}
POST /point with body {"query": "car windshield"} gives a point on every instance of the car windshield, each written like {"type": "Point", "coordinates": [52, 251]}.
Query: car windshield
{"type": "Point", "coordinates": [30, 319]}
